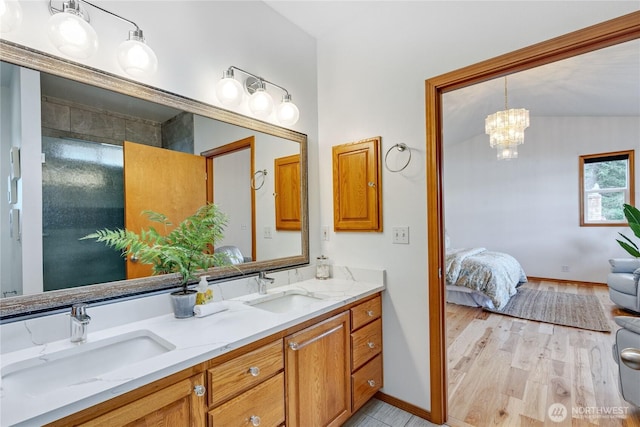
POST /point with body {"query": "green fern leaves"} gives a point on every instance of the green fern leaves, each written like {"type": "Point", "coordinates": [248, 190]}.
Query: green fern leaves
{"type": "Point", "coordinates": [186, 249]}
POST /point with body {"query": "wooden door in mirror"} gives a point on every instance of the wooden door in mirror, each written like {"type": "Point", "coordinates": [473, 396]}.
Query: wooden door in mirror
{"type": "Point", "coordinates": [287, 192]}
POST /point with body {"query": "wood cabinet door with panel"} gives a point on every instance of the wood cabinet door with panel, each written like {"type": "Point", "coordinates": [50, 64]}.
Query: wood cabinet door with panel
{"type": "Point", "coordinates": [318, 382]}
{"type": "Point", "coordinates": [357, 187]}
{"type": "Point", "coordinates": [287, 192]}
{"type": "Point", "coordinates": [181, 404]}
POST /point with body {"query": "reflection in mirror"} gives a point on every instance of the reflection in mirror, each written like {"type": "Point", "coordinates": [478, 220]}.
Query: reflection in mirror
{"type": "Point", "coordinates": [79, 144]}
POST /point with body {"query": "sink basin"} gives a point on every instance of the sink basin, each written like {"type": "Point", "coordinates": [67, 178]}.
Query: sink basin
{"type": "Point", "coordinates": [82, 363]}
{"type": "Point", "coordinates": [285, 302]}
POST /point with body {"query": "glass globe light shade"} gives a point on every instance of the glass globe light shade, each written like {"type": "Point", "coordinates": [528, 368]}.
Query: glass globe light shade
{"type": "Point", "coordinates": [10, 15]}
{"type": "Point", "coordinates": [136, 58]}
{"type": "Point", "coordinates": [229, 91]}
{"type": "Point", "coordinates": [261, 103]}
{"type": "Point", "coordinates": [287, 112]}
{"type": "Point", "coordinates": [72, 35]}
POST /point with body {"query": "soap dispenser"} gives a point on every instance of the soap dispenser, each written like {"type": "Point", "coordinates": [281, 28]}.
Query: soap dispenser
{"type": "Point", "coordinates": [204, 295]}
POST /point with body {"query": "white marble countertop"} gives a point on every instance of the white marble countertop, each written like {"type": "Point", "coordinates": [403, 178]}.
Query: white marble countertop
{"type": "Point", "coordinates": [195, 339]}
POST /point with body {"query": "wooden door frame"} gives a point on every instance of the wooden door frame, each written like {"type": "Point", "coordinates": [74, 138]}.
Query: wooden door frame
{"type": "Point", "coordinates": [242, 144]}
{"type": "Point", "coordinates": [608, 33]}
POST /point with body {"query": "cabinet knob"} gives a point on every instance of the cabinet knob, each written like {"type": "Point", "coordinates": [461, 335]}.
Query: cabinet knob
{"type": "Point", "coordinates": [255, 420]}
{"type": "Point", "coordinates": [254, 371]}
{"type": "Point", "coordinates": [199, 390]}
{"type": "Point", "coordinates": [371, 184]}
{"type": "Point", "coordinates": [371, 345]}
{"type": "Point", "coordinates": [370, 313]}
{"type": "Point", "coordinates": [371, 383]}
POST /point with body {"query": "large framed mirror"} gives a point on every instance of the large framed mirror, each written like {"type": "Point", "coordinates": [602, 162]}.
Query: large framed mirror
{"type": "Point", "coordinates": [74, 159]}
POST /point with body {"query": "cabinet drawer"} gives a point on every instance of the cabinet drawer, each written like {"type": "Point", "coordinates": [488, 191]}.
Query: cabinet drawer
{"type": "Point", "coordinates": [233, 377]}
{"type": "Point", "coordinates": [366, 343]}
{"type": "Point", "coordinates": [365, 313]}
{"type": "Point", "coordinates": [366, 381]}
{"type": "Point", "coordinates": [266, 401]}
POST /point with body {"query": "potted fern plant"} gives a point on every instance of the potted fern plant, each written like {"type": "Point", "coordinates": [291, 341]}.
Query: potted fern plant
{"type": "Point", "coordinates": [184, 250]}
{"type": "Point", "coordinates": [633, 218]}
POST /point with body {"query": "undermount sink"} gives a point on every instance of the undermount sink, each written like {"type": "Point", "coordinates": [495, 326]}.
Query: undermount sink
{"type": "Point", "coordinates": [82, 363]}
{"type": "Point", "coordinates": [285, 302]}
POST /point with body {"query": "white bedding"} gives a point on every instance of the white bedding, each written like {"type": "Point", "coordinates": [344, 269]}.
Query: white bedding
{"type": "Point", "coordinates": [491, 277]}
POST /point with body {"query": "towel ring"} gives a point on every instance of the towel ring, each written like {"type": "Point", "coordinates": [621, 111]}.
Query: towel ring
{"type": "Point", "coordinates": [260, 174]}
{"type": "Point", "coordinates": [401, 147]}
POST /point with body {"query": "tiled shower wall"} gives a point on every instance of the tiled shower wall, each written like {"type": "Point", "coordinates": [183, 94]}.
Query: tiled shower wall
{"type": "Point", "coordinates": [61, 118]}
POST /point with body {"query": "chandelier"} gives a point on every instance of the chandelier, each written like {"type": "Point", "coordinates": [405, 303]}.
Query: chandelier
{"type": "Point", "coordinates": [506, 129]}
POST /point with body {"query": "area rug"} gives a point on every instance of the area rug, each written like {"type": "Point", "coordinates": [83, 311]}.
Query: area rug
{"type": "Point", "coordinates": [579, 311]}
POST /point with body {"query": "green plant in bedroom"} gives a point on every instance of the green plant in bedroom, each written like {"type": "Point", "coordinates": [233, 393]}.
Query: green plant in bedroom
{"type": "Point", "coordinates": [184, 250]}
{"type": "Point", "coordinates": [633, 218]}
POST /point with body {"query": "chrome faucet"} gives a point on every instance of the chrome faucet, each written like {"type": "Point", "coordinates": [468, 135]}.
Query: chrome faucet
{"type": "Point", "coordinates": [79, 322]}
{"type": "Point", "coordinates": [262, 282]}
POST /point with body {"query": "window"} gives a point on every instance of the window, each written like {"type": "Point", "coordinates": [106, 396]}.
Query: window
{"type": "Point", "coordinates": [606, 183]}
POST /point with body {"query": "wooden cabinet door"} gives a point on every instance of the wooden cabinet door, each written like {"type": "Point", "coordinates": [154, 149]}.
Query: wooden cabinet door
{"type": "Point", "coordinates": [357, 192]}
{"type": "Point", "coordinates": [318, 374]}
{"type": "Point", "coordinates": [176, 405]}
{"type": "Point", "coordinates": [287, 189]}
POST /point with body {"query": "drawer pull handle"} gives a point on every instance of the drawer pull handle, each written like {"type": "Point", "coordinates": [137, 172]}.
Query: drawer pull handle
{"type": "Point", "coordinates": [370, 313]}
{"type": "Point", "coordinates": [199, 390]}
{"type": "Point", "coordinates": [371, 345]}
{"type": "Point", "coordinates": [371, 383]}
{"type": "Point", "coordinates": [254, 371]}
{"type": "Point", "coordinates": [295, 346]}
{"type": "Point", "coordinates": [255, 420]}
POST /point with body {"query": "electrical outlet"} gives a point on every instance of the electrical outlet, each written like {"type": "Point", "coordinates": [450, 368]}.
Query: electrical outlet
{"type": "Point", "coordinates": [564, 268]}
{"type": "Point", "coordinates": [324, 232]}
{"type": "Point", "coordinates": [267, 232]}
{"type": "Point", "coordinates": [400, 235]}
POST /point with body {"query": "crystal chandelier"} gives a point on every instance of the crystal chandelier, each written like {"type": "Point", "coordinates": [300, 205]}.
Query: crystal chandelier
{"type": "Point", "coordinates": [506, 129]}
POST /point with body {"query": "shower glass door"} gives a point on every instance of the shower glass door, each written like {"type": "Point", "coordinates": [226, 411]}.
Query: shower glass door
{"type": "Point", "coordinates": [82, 191]}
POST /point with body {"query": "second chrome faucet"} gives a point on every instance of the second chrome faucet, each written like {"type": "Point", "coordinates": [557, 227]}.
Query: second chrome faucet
{"type": "Point", "coordinates": [262, 282]}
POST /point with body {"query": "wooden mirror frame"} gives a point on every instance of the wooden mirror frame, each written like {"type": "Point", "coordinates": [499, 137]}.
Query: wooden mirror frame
{"type": "Point", "coordinates": [30, 305]}
{"type": "Point", "coordinates": [608, 33]}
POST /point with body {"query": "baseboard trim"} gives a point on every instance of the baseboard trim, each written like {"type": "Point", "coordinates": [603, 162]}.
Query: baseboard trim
{"type": "Point", "coordinates": [401, 404]}
{"type": "Point", "coordinates": [576, 282]}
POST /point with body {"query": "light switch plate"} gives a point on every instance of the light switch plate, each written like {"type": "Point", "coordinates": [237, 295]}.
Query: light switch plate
{"type": "Point", "coordinates": [324, 231]}
{"type": "Point", "coordinates": [400, 235]}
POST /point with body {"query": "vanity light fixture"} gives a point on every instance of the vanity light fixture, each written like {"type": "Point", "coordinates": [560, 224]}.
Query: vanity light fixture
{"type": "Point", "coordinates": [10, 15]}
{"type": "Point", "coordinates": [72, 34]}
{"type": "Point", "coordinates": [506, 129]}
{"type": "Point", "coordinates": [229, 92]}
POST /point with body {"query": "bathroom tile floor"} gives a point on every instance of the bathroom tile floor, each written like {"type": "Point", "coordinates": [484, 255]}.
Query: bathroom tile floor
{"type": "Point", "coordinates": [376, 413]}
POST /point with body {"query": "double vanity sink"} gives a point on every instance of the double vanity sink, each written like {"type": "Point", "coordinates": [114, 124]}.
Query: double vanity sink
{"type": "Point", "coordinates": [63, 377]}
{"type": "Point", "coordinates": [83, 362]}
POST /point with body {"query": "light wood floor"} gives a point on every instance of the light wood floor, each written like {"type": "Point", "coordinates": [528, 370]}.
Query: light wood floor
{"type": "Point", "coordinates": [507, 371]}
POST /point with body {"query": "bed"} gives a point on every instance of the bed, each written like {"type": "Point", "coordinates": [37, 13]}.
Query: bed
{"type": "Point", "coordinates": [480, 278]}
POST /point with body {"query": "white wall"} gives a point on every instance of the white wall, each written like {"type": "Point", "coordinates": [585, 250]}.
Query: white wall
{"type": "Point", "coordinates": [529, 207]}
{"type": "Point", "coordinates": [21, 108]}
{"type": "Point", "coordinates": [371, 74]}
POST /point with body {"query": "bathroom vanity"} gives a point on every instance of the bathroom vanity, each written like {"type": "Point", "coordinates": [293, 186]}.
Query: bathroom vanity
{"type": "Point", "coordinates": [309, 350]}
